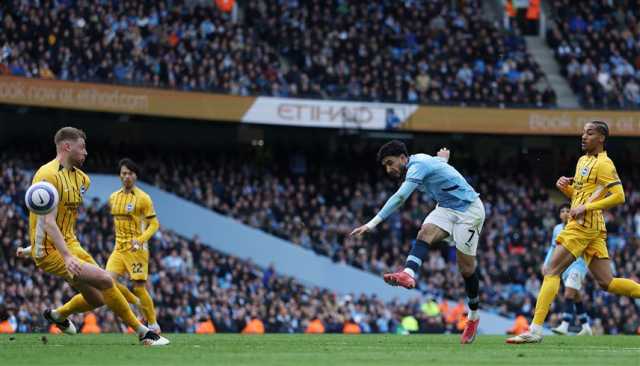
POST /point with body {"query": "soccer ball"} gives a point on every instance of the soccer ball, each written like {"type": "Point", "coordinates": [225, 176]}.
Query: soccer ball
{"type": "Point", "coordinates": [41, 198]}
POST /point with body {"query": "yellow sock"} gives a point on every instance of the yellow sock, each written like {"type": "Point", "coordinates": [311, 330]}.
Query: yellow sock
{"type": "Point", "coordinates": [624, 287]}
{"type": "Point", "coordinates": [76, 305]}
{"type": "Point", "coordinates": [146, 304]}
{"type": "Point", "coordinates": [548, 292]}
{"type": "Point", "coordinates": [131, 298]}
{"type": "Point", "coordinates": [115, 301]}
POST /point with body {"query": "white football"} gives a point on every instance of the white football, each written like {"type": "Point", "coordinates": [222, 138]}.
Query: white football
{"type": "Point", "coordinates": [41, 198]}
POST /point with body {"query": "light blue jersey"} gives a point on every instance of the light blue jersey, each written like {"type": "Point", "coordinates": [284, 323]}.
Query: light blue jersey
{"type": "Point", "coordinates": [579, 265]}
{"type": "Point", "coordinates": [442, 181]}
{"type": "Point", "coordinates": [432, 175]}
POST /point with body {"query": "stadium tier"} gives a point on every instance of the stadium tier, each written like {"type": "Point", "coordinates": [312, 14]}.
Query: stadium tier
{"type": "Point", "coordinates": [290, 49]}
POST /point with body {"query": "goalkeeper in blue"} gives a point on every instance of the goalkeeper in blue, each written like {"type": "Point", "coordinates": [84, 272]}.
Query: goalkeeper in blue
{"type": "Point", "coordinates": [457, 219]}
{"type": "Point", "coordinates": [573, 279]}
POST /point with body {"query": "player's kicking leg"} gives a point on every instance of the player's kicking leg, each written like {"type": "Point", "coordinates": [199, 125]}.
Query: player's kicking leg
{"type": "Point", "coordinates": [65, 325]}
{"type": "Point", "coordinates": [97, 286]}
{"type": "Point", "coordinates": [429, 233]}
{"type": "Point", "coordinates": [77, 304]}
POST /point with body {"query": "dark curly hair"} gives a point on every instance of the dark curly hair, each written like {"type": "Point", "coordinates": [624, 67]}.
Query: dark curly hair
{"type": "Point", "coordinates": [392, 148]}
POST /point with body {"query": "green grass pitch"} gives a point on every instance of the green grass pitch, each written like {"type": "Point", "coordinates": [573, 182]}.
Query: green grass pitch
{"type": "Point", "coordinates": [330, 350]}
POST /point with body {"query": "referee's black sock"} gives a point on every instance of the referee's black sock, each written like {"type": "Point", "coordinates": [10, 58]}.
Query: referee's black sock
{"type": "Point", "coordinates": [472, 287]}
{"type": "Point", "coordinates": [418, 253]}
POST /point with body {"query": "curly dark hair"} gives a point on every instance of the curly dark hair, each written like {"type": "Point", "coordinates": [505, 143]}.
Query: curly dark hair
{"type": "Point", "coordinates": [392, 148]}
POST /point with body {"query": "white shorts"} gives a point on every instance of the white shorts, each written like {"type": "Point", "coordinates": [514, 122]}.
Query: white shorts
{"type": "Point", "coordinates": [463, 227]}
{"type": "Point", "coordinates": [574, 279]}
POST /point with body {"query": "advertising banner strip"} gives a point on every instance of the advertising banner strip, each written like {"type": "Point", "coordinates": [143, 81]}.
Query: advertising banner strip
{"type": "Point", "coordinates": [122, 99]}
{"type": "Point", "coordinates": [328, 113]}
{"type": "Point", "coordinates": [307, 112]}
{"type": "Point", "coordinates": [519, 121]}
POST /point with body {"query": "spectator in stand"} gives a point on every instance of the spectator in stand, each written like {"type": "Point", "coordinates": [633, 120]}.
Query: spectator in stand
{"type": "Point", "coordinates": [595, 44]}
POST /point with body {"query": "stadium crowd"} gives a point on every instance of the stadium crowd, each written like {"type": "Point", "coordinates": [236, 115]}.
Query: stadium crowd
{"type": "Point", "coordinates": [597, 44]}
{"type": "Point", "coordinates": [414, 51]}
{"type": "Point", "coordinates": [378, 51]}
{"type": "Point", "coordinates": [316, 211]}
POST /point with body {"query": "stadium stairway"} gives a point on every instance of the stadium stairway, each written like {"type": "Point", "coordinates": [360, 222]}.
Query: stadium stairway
{"type": "Point", "coordinates": [239, 240]}
{"type": "Point", "coordinates": [544, 57]}
{"type": "Point", "coordinates": [537, 47]}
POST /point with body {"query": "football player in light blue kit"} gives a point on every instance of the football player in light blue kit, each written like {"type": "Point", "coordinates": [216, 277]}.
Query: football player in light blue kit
{"type": "Point", "coordinates": [573, 278]}
{"type": "Point", "coordinates": [457, 218]}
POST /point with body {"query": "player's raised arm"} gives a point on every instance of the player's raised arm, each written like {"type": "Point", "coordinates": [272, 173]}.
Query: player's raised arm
{"type": "Point", "coordinates": [391, 205]}
{"type": "Point", "coordinates": [444, 154]}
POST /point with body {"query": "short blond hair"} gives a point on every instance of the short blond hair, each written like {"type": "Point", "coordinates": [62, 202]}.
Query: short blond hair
{"type": "Point", "coordinates": [68, 133]}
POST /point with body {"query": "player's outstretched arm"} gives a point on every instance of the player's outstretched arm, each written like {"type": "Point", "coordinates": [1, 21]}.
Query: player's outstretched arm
{"type": "Point", "coordinates": [565, 185]}
{"type": "Point", "coordinates": [391, 205]}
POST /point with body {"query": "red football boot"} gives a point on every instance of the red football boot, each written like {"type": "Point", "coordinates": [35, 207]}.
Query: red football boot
{"type": "Point", "coordinates": [400, 278]}
{"type": "Point", "coordinates": [470, 331]}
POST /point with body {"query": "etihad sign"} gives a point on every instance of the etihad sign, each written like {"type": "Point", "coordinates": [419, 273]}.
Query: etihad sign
{"type": "Point", "coordinates": [328, 113]}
